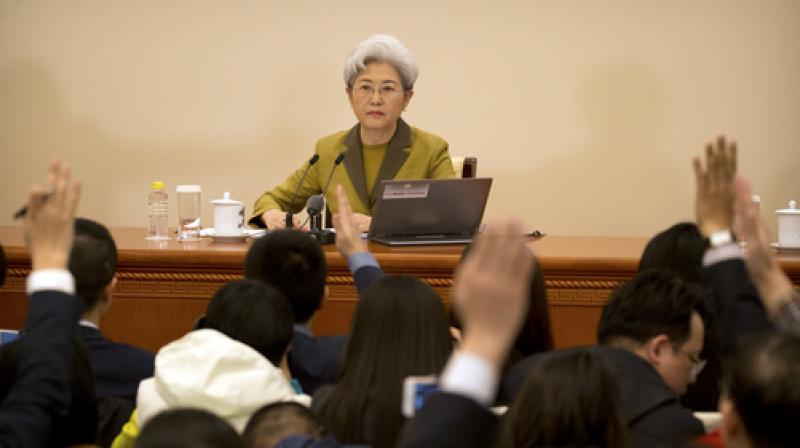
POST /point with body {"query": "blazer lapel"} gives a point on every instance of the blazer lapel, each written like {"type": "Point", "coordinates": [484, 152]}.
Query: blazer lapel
{"type": "Point", "coordinates": [354, 164]}
{"type": "Point", "coordinates": [396, 155]}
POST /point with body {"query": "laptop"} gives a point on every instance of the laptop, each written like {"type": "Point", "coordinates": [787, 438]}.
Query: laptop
{"type": "Point", "coordinates": [429, 211]}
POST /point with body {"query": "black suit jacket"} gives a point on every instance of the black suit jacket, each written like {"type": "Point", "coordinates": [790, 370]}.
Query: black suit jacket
{"type": "Point", "coordinates": [118, 368]}
{"type": "Point", "coordinates": [450, 420]}
{"type": "Point", "coordinates": [314, 360]}
{"type": "Point", "coordinates": [654, 415]}
{"type": "Point", "coordinates": [738, 309]}
{"type": "Point", "coordinates": [41, 394]}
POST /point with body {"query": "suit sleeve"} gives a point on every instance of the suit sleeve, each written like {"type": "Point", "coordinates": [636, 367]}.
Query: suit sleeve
{"type": "Point", "coordinates": [41, 394]}
{"type": "Point", "coordinates": [450, 420]}
{"type": "Point", "coordinates": [738, 309]}
{"type": "Point", "coordinates": [441, 164]}
{"type": "Point", "coordinates": [280, 196]}
{"type": "Point", "coordinates": [364, 277]}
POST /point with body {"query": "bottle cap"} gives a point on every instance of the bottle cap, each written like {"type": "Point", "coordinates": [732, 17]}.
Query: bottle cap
{"type": "Point", "coordinates": [157, 185]}
{"type": "Point", "coordinates": [188, 189]}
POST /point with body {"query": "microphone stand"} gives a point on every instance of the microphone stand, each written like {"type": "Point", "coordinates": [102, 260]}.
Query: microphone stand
{"type": "Point", "coordinates": [315, 206]}
{"type": "Point", "coordinates": [323, 236]}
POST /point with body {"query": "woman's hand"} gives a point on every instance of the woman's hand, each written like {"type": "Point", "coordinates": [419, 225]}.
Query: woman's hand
{"type": "Point", "coordinates": [362, 222]}
{"type": "Point", "coordinates": [276, 219]}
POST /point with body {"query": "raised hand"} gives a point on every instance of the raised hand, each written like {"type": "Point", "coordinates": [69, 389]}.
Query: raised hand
{"type": "Point", "coordinates": [49, 222]}
{"type": "Point", "coordinates": [491, 290]}
{"type": "Point", "coordinates": [348, 234]}
{"type": "Point", "coordinates": [774, 287]}
{"type": "Point", "coordinates": [714, 202]}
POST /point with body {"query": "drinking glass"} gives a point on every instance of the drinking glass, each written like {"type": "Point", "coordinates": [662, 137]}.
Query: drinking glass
{"type": "Point", "coordinates": [188, 212]}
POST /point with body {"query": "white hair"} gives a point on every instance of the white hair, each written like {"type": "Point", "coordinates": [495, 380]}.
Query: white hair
{"type": "Point", "coordinates": [381, 48]}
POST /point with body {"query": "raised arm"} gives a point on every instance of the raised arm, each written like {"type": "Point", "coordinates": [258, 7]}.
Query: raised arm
{"type": "Point", "coordinates": [40, 394]}
{"type": "Point", "coordinates": [777, 293]}
{"type": "Point", "coordinates": [738, 309]}
{"type": "Point", "coordinates": [491, 298]}
{"type": "Point", "coordinates": [362, 263]}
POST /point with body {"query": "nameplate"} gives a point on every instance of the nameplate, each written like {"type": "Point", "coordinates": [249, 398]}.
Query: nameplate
{"type": "Point", "coordinates": [406, 191]}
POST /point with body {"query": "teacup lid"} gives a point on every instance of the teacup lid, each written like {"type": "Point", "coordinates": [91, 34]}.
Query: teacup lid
{"type": "Point", "coordinates": [792, 210]}
{"type": "Point", "coordinates": [226, 200]}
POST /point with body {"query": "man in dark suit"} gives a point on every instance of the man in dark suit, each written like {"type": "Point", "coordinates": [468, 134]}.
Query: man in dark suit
{"type": "Point", "coordinates": [40, 397]}
{"type": "Point", "coordinates": [118, 368]}
{"type": "Point", "coordinates": [293, 262]}
{"type": "Point", "coordinates": [651, 334]}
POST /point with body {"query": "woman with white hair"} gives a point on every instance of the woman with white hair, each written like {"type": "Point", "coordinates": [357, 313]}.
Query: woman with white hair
{"type": "Point", "coordinates": [379, 76]}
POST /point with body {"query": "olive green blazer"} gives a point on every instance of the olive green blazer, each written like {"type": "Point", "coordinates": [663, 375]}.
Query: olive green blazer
{"type": "Point", "coordinates": [412, 154]}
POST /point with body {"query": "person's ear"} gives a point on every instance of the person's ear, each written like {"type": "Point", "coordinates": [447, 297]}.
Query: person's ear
{"type": "Point", "coordinates": [108, 293]}
{"type": "Point", "coordinates": [407, 97]}
{"type": "Point", "coordinates": [657, 348]}
{"type": "Point", "coordinates": [349, 93]}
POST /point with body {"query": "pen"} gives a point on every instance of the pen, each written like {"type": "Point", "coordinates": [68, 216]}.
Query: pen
{"type": "Point", "coordinates": [24, 209]}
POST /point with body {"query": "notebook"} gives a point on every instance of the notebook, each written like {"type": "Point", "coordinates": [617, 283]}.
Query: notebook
{"type": "Point", "coordinates": [440, 211]}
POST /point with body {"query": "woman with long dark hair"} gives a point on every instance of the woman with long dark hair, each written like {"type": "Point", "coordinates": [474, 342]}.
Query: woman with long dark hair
{"type": "Point", "coordinates": [570, 398]}
{"type": "Point", "coordinates": [399, 329]}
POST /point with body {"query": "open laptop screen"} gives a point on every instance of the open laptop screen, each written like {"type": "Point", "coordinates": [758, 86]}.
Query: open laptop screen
{"type": "Point", "coordinates": [430, 211]}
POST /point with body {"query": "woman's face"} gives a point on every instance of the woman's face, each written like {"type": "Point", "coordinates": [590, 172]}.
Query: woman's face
{"type": "Point", "coordinates": [377, 97]}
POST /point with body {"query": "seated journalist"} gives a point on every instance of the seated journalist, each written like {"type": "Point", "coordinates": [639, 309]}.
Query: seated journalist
{"type": "Point", "coordinates": [379, 76]}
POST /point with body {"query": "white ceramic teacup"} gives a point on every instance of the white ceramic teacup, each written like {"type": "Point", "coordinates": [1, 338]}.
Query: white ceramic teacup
{"type": "Point", "coordinates": [228, 216]}
{"type": "Point", "coordinates": [789, 226]}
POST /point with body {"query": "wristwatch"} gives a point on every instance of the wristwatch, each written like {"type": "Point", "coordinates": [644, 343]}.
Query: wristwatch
{"type": "Point", "coordinates": [720, 237]}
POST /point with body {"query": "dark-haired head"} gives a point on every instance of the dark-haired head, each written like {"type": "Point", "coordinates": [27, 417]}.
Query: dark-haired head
{"type": "Point", "coordinates": [658, 316]}
{"type": "Point", "coordinates": [185, 428]}
{"type": "Point", "coordinates": [570, 398]}
{"type": "Point", "coordinates": [400, 328]}
{"type": "Point", "coordinates": [78, 425]}
{"type": "Point", "coordinates": [761, 398]}
{"type": "Point", "coordinates": [92, 261]}
{"type": "Point", "coordinates": [679, 250]}
{"type": "Point", "coordinates": [255, 314]}
{"type": "Point", "coordinates": [276, 421]}
{"type": "Point", "coordinates": [536, 334]}
{"type": "Point", "coordinates": [293, 262]}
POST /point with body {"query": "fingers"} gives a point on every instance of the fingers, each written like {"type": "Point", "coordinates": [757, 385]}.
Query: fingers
{"type": "Point", "coordinates": [74, 197]}
{"type": "Point", "coordinates": [341, 198]}
{"type": "Point", "coordinates": [61, 187]}
{"type": "Point", "coordinates": [698, 172]}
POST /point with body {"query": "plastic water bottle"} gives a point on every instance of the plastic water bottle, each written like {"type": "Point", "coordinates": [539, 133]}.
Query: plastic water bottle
{"type": "Point", "coordinates": [157, 207]}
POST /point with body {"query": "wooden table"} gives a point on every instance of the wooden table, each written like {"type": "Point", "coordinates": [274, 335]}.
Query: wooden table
{"type": "Point", "coordinates": [164, 286]}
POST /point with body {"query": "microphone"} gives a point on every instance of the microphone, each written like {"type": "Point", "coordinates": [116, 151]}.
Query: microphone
{"type": "Point", "coordinates": [314, 207]}
{"type": "Point", "coordinates": [336, 163]}
{"type": "Point", "coordinates": [316, 204]}
{"type": "Point", "coordinates": [289, 221]}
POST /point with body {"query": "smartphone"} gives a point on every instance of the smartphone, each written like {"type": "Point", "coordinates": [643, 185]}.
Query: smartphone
{"type": "Point", "coordinates": [470, 167]}
{"type": "Point", "coordinates": [416, 389]}
{"type": "Point", "coordinates": [8, 336]}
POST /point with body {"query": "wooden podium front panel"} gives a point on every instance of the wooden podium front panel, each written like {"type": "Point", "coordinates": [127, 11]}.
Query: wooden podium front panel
{"type": "Point", "coordinates": [163, 287]}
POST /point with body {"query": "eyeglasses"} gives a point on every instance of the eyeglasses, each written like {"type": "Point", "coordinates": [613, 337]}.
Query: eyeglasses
{"type": "Point", "coordinates": [368, 90]}
{"type": "Point", "coordinates": [697, 364]}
